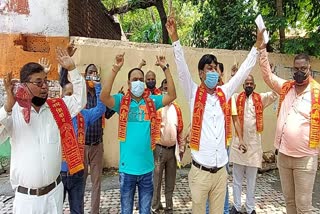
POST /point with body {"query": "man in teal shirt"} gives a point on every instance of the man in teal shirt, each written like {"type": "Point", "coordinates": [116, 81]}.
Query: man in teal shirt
{"type": "Point", "coordinates": [137, 132]}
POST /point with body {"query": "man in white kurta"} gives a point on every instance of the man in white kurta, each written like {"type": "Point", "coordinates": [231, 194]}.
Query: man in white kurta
{"type": "Point", "coordinates": [249, 161]}
{"type": "Point", "coordinates": [35, 146]}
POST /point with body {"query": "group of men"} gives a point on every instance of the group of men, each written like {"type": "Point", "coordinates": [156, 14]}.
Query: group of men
{"type": "Point", "coordinates": [71, 127]}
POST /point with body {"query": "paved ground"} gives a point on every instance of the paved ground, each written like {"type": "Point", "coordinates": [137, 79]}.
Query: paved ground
{"type": "Point", "coordinates": [269, 198]}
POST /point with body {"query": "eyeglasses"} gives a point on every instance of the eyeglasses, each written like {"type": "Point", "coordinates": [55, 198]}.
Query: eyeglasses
{"type": "Point", "coordinates": [303, 69]}
{"type": "Point", "coordinates": [40, 83]}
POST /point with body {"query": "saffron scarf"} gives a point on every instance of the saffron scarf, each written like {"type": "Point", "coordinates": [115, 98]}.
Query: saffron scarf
{"type": "Point", "coordinates": [155, 91]}
{"type": "Point", "coordinates": [69, 142]}
{"type": "Point", "coordinates": [81, 136]}
{"type": "Point", "coordinates": [314, 133]}
{"type": "Point", "coordinates": [258, 107]}
{"type": "Point", "coordinates": [197, 117]}
{"type": "Point", "coordinates": [123, 118]}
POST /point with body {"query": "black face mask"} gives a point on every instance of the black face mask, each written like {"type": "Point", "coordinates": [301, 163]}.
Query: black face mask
{"type": "Point", "coordinates": [299, 77]}
{"type": "Point", "coordinates": [38, 101]}
{"type": "Point", "coordinates": [248, 90]}
{"type": "Point", "coordinates": [151, 84]}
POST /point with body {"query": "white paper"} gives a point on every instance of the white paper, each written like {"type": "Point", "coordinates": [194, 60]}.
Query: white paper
{"type": "Point", "coordinates": [260, 24]}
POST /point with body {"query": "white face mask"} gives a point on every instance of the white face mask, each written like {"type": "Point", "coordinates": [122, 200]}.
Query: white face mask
{"type": "Point", "coordinates": [137, 88]}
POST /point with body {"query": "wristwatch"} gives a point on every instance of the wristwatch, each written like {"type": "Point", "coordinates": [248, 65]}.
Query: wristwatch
{"type": "Point", "coordinates": [165, 67]}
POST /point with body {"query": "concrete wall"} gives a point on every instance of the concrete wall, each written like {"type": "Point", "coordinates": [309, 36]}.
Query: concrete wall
{"type": "Point", "coordinates": [30, 30]}
{"type": "Point", "coordinates": [44, 17]}
{"type": "Point", "coordinates": [102, 53]}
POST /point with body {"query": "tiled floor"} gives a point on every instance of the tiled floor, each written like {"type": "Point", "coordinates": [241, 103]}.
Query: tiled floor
{"type": "Point", "coordinates": [269, 198]}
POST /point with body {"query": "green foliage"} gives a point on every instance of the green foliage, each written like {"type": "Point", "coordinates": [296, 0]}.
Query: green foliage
{"type": "Point", "coordinates": [309, 45]}
{"type": "Point", "coordinates": [225, 24]}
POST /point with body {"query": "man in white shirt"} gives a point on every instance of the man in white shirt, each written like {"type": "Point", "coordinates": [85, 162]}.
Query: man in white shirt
{"type": "Point", "coordinates": [35, 138]}
{"type": "Point", "coordinates": [208, 176]}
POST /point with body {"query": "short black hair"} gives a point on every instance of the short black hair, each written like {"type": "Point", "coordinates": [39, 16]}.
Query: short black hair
{"type": "Point", "coordinates": [206, 59]}
{"type": "Point", "coordinates": [29, 69]}
{"type": "Point", "coordinates": [86, 71]}
{"type": "Point", "coordinates": [221, 67]}
{"type": "Point", "coordinates": [133, 69]}
{"type": "Point", "coordinates": [302, 56]}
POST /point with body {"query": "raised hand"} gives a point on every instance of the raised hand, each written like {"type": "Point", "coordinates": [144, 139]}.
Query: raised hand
{"type": "Point", "coordinates": [71, 49]}
{"type": "Point", "coordinates": [8, 85]}
{"type": "Point", "coordinates": [119, 60]}
{"type": "Point", "coordinates": [161, 61]}
{"type": "Point", "coordinates": [65, 60]}
{"type": "Point", "coordinates": [259, 42]}
{"type": "Point", "coordinates": [44, 62]}
{"type": "Point", "coordinates": [172, 28]}
{"type": "Point", "coordinates": [142, 63]}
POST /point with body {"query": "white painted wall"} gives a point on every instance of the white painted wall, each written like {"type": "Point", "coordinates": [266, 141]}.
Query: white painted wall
{"type": "Point", "coordinates": [47, 17]}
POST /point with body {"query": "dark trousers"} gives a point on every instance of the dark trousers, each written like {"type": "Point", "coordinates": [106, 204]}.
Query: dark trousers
{"type": "Point", "coordinates": [94, 158]}
{"type": "Point", "coordinates": [165, 161]}
{"type": "Point", "coordinates": [73, 185]}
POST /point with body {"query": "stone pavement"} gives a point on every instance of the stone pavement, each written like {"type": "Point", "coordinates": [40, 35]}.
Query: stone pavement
{"type": "Point", "coordinates": [269, 198]}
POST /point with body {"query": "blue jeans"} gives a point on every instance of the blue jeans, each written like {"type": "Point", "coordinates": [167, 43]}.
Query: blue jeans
{"type": "Point", "coordinates": [128, 185]}
{"type": "Point", "coordinates": [73, 184]}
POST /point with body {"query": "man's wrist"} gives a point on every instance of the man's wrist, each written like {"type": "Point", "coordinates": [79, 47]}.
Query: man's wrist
{"type": "Point", "coordinates": [165, 67]}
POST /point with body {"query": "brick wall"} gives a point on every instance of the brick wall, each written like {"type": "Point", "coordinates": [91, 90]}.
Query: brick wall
{"type": "Point", "coordinates": [88, 18]}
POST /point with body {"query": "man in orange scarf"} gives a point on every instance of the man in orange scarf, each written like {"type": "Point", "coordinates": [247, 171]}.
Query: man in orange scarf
{"type": "Point", "coordinates": [208, 102]}
{"type": "Point", "coordinates": [36, 137]}
{"type": "Point", "coordinates": [246, 160]}
{"type": "Point", "coordinates": [297, 132]}
{"type": "Point", "coordinates": [137, 132]}
{"type": "Point", "coordinates": [169, 150]}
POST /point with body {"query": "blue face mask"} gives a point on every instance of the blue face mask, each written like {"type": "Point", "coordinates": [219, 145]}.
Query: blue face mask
{"type": "Point", "coordinates": [212, 79]}
{"type": "Point", "coordinates": [137, 88]}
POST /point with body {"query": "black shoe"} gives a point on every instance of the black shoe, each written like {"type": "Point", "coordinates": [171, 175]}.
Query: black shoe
{"type": "Point", "coordinates": [253, 212]}
{"type": "Point", "coordinates": [234, 211]}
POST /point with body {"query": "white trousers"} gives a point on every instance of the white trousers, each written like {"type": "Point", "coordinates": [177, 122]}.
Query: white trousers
{"type": "Point", "coordinates": [251, 174]}
{"type": "Point", "coordinates": [51, 203]}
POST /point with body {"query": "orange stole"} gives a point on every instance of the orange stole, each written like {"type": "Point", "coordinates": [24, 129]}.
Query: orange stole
{"type": "Point", "coordinates": [258, 106]}
{"type": "Point", "coordinates": [314, 133]}
{"type": "Point", "coordinates": [148, 92]}
{"type": "Point", "coordinates": [69, 142]}
{"type": "Point", "coordinates": [179, 116]}
{"type": "Point", "coordinates": [198, 110]}
{"type": "Point", "coordinates": [123, 118]}
{"type": "Point", "coordinates": [226, 108]}
{"type": "Point", "coordinates": [81, 136]}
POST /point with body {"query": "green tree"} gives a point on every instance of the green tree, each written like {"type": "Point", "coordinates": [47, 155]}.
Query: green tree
{"type": "Point", "coordinates": [132, 5]}
{"type": "Point", "coordinates": [225, 24]}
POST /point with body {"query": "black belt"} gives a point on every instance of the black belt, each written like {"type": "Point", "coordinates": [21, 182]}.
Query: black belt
{"type": "Point", "coordinates": [166, 147]}
{"type": "Point", "coordinates": [211, 170]}
{"type": "Point", "coordinates": [93, 144]}
{"type": "Point", "coordinates": [40, 191]}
